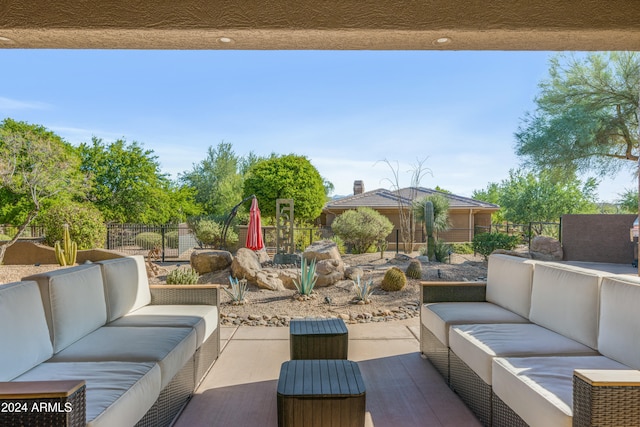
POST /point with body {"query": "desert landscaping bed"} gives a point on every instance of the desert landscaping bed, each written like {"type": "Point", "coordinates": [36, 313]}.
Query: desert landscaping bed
{"type": "Point", "coordinates": [276, 308]}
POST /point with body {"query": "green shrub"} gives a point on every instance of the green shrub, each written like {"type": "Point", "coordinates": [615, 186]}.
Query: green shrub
{"type": "Point", "coordinates": [304, 235]}
{"type": "Point", "coordinates": [148, 240]}
{"type": "Point", "coordinates": [4, 237]}
{"type": "Point", "coordinates": [486, 243]}
{"type": "Point", "coordinates": [183, 276]}
{"type": "Point", "coordinates": [362, 228]}
{"type": "Point", "coordinates": [441, 251]}
{"type": "Point", "coordinates": [208, 232]}
{"type": "Point", "coordinates": [86, 224]}
{"type": "Point", "coordinates": [172, 239]}
{"type": "Point", "coordinates": [465, 248]}
{"type": "Point", "coordinates": [339, 243]}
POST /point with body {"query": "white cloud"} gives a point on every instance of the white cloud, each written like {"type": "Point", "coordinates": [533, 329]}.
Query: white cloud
{"type": "Point", "coordinates": [76, 135]}
{"type": "Point", "coordinates": [8, 104]}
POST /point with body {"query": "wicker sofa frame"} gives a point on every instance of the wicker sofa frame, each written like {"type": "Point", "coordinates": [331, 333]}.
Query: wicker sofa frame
{"type": "Point", "coordinates": [611, 401]}
{"type": "Point", "coordinates": [172, 399]}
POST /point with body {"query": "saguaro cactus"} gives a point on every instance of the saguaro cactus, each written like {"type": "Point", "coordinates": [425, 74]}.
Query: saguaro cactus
{"type": "Point", "coordinates": [428, 221]}
{"type": "Point", "coordinates": [66, 255]}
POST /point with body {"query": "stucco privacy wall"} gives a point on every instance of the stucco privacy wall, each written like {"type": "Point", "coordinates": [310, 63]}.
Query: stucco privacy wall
{"type": "Point", "coordinates": [327, 24]}
{"type": "Point", "coordinates": [597, 238]}
{"type": "Point", "coordinates": [25, 252]}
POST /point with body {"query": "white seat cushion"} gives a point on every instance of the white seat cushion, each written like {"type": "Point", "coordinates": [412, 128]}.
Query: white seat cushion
{"type": "Point", "coordinates": [118, 393]}
{"type": "Point", "coordinates": [509, 281]}
{"type": "Point", "coordinates": [203, 318]}
{"type": "Point", "coordinates": [619, 334]}
{"type": "Point", "coordinates": [477, 345]}
{"type": "Point", "coordinates": [170, 348]}
{"type": "Point", "coordinates": [73, 301]}
{"type": "Point", "coordinates": [540, 389]}
{"type": "Point", "coordinates": [438, 317]}
{"type": "Point", "coordinates": [24, 333]}
{"type": "Point", "coordinates": [126, 286]}
{"type": "Point", "coordinates": [565, 299]}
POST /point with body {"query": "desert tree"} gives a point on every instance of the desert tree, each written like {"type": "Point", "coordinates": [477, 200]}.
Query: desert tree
{"type": "Point", "coordinates": [218, 179]}
{"type": "Point", "coordinates": [404, 200]}
{"type": "Point", "coordinates": [36, 166]}
{"type": "Point", "coordinates": [586, 117]}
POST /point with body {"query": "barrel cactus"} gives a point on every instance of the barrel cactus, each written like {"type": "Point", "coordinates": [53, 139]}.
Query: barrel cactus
{"type": "Point", "coordinates": [393, 280]}
{"type": "Point", "coordinates": [414, 270]}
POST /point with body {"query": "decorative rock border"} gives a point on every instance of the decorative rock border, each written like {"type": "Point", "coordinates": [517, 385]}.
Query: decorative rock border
{"type": "Point", "coordinates": [407, 311]}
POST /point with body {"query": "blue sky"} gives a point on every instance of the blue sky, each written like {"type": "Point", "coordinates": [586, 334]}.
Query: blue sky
{"type": "Point", "coordinates": [347, 111]}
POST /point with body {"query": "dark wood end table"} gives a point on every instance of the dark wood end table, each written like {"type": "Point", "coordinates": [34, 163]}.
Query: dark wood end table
{"type": "Point", "coordinates": [327, 393]}
{"type": "Point", "coordinates": [318, 339]}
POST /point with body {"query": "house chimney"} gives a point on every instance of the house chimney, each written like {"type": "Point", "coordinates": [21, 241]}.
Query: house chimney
{"type": "Point", "coordinates": [358, 187]}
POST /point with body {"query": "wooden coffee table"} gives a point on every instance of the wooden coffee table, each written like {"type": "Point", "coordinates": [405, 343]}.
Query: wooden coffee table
{"type": "Point", "coordinates": [318, 339]}
{"type": "Point", "coordinates": [327, 393]}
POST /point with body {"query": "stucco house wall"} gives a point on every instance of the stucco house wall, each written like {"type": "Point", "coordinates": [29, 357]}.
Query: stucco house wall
{"type": "Point", "coordinates": [464, 213]}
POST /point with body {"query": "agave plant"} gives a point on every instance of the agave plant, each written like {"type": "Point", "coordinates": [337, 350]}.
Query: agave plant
{"type": "Point", "coordinates": [238, 290]}
{"type": "Point", "coordinates": [307, 277]}
{"type": "Point", "coordinates": [363, 291]}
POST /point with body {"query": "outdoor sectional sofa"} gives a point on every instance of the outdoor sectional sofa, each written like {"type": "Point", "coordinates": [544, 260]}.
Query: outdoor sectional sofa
{"type": "Point", "coordinates": [538, 343]}
{"type": "Point", "coordinates": [140, 350]}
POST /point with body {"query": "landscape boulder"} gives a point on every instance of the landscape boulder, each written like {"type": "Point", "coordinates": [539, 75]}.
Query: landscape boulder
{"type": "Point", "coordinates": [321, 250]}
{"type": "Point", "coordinates": [210, 261]}
{"type": "Point", "coordinates": [268, 279]}
{"type": "Point", "coordinates": [285, 275]}
{"type": "Point", "coordinates": [245, 265]}
{"type": "Point", "coordinates": [329, 272]}
{"type": "Point", "coordinates": [263, 256]}
{"type": "Point", "coordinates": [353, 273]}
{"type": "Point", "coordinates": [546, 249]}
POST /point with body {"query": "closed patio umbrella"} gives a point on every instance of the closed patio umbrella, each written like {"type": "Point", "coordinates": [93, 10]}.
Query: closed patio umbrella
{"type": "Point", "coordinates": [254, 232]}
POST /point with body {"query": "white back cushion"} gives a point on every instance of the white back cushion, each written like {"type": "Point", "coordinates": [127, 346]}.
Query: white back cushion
{"type": "Point", "coordinates": [619, 335]}
{"type": "Point", "coordinates": [23, 329]}
{"type": "Point", "coordinates": [565, 299]}
{"type": "Point", "coordinates": [509, 283]}
{"type": "Point", "coordinates": [73, 300]}
{"type": "Point", "coordinates": [126, 286]}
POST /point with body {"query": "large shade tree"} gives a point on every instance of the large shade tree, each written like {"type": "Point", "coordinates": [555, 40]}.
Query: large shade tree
{"type": "Point", "coordinates": [128, 186]}
{"type": "Point", "coordinates": [36, 166]}
{"type": "Point", "coordinates": [218, 179]}
{"type": "Point", "coordinates": [527, 197]}
{"type": "Point", "coordinates": [586, 117]}
{"type": "Point", "coordinates": [287, 177]}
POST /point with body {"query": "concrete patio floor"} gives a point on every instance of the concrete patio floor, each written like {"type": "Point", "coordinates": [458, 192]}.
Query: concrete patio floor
{"type": "Point", "coordinates": [402, 388]}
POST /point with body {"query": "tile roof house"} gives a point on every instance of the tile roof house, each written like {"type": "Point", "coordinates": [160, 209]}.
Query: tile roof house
{"type": "Point", "coordinates": [465, 214]}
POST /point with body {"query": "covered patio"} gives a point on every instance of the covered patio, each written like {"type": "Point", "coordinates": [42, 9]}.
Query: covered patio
{"type": "Point", "coordinates": [402, 388]}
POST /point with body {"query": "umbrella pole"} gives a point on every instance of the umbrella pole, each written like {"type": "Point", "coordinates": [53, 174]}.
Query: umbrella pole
{"type": "Point", "coordinates": [227, 223]}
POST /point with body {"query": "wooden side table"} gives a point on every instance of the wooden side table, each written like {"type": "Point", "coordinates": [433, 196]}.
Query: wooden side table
{"type": "Point", "coordinates": [327, 393]}
{"type": "Point", "coordinates": [318, 339]}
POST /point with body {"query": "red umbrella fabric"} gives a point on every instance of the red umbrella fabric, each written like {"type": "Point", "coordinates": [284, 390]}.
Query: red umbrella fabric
{"type": "Point", "coordinates": [254, 232]}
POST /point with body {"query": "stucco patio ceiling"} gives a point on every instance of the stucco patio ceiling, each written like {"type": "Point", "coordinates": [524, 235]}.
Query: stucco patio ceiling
{"type": "Point", "coordinates": [322, 24]}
